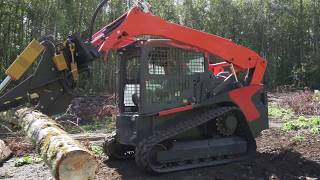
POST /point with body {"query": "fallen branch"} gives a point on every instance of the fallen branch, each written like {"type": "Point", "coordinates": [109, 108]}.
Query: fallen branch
{"type": "Point", "coordinates": [11, 134]}
{"type": "Point", "coordinates": [75, 124]}
{"type": "Point", "coordinates": [67, 158]}
{"type": "Point", "coordinates": [6, 127]}
{"type": "Point", "coordinates": [89, 137]}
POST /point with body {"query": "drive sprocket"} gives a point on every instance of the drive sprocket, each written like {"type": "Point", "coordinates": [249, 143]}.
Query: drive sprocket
{"type": "Point", "coordinates": [227, 125]}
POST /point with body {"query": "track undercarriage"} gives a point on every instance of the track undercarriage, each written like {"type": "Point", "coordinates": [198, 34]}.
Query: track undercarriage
{"type": "Point", "coordinates": [162, 152]}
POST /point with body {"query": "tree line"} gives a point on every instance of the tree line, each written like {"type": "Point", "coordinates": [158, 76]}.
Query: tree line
{"type": "Point", "coordinates": [285, 32]}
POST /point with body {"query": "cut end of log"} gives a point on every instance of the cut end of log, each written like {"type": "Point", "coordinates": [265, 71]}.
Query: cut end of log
{"type": "Point", "coordinates": [78, 165]}
{"type": "Point", "coordinates": [67, 158]}
{"type": "Point", "coordinates": [5, 152]}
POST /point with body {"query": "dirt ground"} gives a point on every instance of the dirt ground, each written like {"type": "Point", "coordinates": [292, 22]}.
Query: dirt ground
{"type": "Point", "coordinates": [278, 157]}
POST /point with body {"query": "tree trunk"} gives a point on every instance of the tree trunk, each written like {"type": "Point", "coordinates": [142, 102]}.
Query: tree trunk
{"type": "Point", "coordinates": [5, 152]}
{"type": "Point", "coordinates": [67, 158]}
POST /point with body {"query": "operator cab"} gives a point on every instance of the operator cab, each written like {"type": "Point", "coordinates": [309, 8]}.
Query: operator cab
{"type": "Point", "coordinates": [161, 74]}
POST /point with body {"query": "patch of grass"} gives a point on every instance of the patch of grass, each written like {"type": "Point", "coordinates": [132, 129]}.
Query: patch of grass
{"type": "Point", "coordinates": [97, 150]}
{"type": "Point", "coordinates": [298, 138]}
{"type": "Point", "coordinates": [299, 111]}
{"type": "Point", "coordinates": [27, 160]}
{"type": "Point", "coordinates": [107, 124]}
{"type": "Point", "coordinates": [311, 124]}
{"type": "Point", "coordinates": [280, 113]}
{"type": "Point", "coordinates": [315, 130]}
{"type": "Point", "coordinates": [111, 124]}
{"type": "Point", "coordinates": [96, 125]}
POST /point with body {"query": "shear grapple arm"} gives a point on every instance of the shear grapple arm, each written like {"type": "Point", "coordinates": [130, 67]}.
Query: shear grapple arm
{"type": "Point", "coordinates": [50, 86]}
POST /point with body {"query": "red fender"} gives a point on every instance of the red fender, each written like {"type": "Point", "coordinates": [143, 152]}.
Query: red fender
{"type": "Point", "coordinates": [243, 98]}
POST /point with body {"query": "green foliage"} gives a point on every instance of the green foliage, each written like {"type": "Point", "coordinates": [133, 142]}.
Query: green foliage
{"type": "Point", "coordinates": [280, 113]}
{"type": "Point", "coordinates": [96, 125]}
{"type": "Point", "coordinates": [289, 126]}
{"type": "Point", "coordinates": [291, 122]}
{"type": "Point", "coordinates": [97, 150]}
{"type": "Point", "coordinates": [298, 138]}
{"type": "Point", "coordinates": [315, 130]}
{"type": "Point", "coordinates": [27, 160]}
{"type": "Point", "coordinates": [311, 124]}
{"type": "Point", "coordinates": [107, 125]}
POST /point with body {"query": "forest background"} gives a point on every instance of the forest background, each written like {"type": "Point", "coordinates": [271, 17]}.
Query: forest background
{"type": "Point", "coordinates": [285, 32]}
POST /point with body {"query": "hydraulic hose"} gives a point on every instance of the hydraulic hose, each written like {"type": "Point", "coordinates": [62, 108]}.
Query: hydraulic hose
{"type": "Point", "coordinates": [93, 19]}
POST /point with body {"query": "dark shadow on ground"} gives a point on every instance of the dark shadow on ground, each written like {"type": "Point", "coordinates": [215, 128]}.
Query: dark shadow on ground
{"type": "Point", "coordinates": [284, 165]}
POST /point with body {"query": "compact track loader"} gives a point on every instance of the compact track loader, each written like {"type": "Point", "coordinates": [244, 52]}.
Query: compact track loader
{"type": "Point", "coordinates": [187, 98]}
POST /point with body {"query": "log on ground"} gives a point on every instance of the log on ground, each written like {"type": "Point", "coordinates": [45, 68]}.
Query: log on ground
{"type": "Point", "coordinates": [5, 152]}
{"type": "Point", "coordinates": [67, 158]}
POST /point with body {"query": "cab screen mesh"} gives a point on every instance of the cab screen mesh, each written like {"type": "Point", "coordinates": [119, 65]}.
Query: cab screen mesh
{"type": "Point", "coordinates": [175, 61]}
{"type": "Point", "coordinates": [132, 87]}
{"type": "Point", "coordinates": [171, 73]}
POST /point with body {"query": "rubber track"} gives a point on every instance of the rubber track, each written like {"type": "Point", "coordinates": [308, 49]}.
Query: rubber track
{"type": "Point", "coordinates": [143, 149]}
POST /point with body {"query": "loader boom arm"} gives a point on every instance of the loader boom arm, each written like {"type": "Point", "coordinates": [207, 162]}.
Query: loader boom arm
{"type": "Point", "coordinates": [136, 22]}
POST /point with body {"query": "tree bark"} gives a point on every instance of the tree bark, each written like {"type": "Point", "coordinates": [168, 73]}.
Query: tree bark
{"type": "Point", "coordinates": [5, 152]}
{"type": "Point", "coordinates": [67, 158]}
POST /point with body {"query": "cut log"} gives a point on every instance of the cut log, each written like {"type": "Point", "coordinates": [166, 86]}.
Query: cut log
{"type": "Point", "coordinates": [5, 152]}
{"type": "Point", "coordinates": [67, 158]}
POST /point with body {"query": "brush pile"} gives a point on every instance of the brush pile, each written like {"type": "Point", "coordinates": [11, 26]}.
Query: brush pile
{"type": "Point", "coordinates": [85, 109]}
{"type": "Point", "coordinates": [302, 102]}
